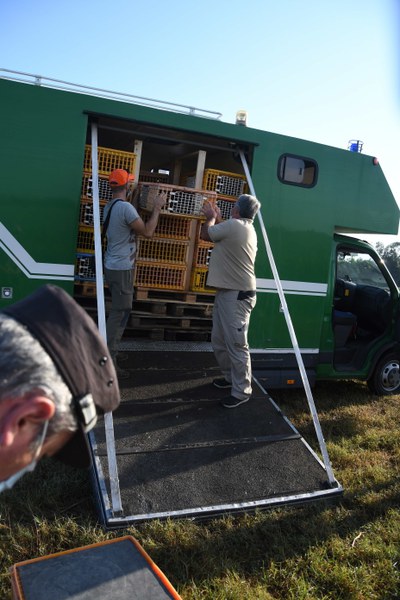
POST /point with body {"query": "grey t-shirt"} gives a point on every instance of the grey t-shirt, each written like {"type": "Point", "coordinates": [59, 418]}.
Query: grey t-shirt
{"type": "Point", "coordinates": [121, 239]}
{"type": "Point", "coordinates": [232, 258]}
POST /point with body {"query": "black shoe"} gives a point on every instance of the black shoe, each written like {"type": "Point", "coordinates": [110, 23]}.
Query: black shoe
{"type": "Point", "coordinates": [222, 383]}
{"type": "Point", "coordinates": [232, 402]}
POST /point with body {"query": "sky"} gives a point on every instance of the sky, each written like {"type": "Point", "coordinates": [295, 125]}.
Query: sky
{"type": "Point", "coordinates": [322, 70]}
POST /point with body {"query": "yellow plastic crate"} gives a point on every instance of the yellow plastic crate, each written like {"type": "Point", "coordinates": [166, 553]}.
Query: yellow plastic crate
{"type": "Point", "coordinates": [180, 200]}
{"type": "Point", "coordinates": [202, 254]}
{"type": "Point", "coordinates": [198, 281]}
{"type": "Point", "coordinates": [159, 276]}
{"type": "Point", "coordinates": [225, 206]}
{"type": "Point", "coordinates": [109, 159]}
{"type": "Point", "coordinates": [85, 243]}
{"type": "Point", "coordinates": [224, 182]}
{"type": "Point", "coordinates": [165, 251]}
{"type": "Point", "coordinates": [86, 212]}
{"type": "Point", "coordinates": [170, 226]}
{"type": "Point", "coordinates": [105, 193]}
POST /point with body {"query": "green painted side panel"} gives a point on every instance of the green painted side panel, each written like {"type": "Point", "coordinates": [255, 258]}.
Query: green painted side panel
{"type": "Point", "coordinates": [351, 194]}
{"type": "Point", "coordinates": [40, 167]}
{"type": "Point", "coordinates": [43, 134]}
{"type": "Point", "coordinates": [41, 156]}
{"type": "Point", "coordinates": [268, 324]}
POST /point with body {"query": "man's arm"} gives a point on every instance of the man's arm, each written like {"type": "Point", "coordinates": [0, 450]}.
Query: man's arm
{"type": "Point", "coordinates": [147, 229]}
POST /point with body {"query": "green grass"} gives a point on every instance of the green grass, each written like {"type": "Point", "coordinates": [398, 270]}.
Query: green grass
{"type": "Point", "coordinates": [346, 550]}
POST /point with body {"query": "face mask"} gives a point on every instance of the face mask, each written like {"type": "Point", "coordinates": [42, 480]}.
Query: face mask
{"type": "Point", "coordinates": [7, 484]}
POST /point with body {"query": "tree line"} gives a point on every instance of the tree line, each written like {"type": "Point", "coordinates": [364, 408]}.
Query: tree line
{"type": "Point", "coordinates": [391, 257]}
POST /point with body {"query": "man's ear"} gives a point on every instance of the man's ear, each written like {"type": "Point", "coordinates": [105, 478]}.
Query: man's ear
{"type": "Point", "coordinates": [22, 417]}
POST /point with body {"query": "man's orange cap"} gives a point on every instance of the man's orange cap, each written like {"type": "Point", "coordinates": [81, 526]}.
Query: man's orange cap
{"type": "Point", "coordinates": [119, 177]}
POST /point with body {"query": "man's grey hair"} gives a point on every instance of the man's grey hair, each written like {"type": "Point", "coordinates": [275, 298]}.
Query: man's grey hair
{"type": "Point", "coordinates": [248, 206]}
{"type": "Point", "coordinates": [26, 368]}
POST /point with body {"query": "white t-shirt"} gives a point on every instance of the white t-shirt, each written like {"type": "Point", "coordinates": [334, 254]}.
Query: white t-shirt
{"type": "Point", "coordinates": [121, 239]}
{"type": "Point", "coordinates": [233, 256]}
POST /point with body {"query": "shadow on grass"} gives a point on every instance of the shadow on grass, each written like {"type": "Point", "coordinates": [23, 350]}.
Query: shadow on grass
{"type": "Point", "coordinates": [249, 543]}
{"type": "Point", "coordinates": [339, 406]}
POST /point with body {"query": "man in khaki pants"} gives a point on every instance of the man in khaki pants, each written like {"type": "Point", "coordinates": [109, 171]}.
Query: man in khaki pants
{"type": "Point", "coordinates": [231, 272]}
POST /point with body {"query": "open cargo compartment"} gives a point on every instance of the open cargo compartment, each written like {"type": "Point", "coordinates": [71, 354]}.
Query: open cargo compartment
{"type": "Point", "coordinates": [181, 455]}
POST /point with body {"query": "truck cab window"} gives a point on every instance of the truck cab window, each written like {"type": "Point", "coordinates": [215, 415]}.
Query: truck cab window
{"type": "Point", "coordinates": [297, 170]}
{"type": "Point", "coordinates": [361, 269]}
{"type": "Point", "coordinates": [362, 296]}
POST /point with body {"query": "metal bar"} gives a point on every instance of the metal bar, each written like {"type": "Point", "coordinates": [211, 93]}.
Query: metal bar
{"type": "Point", "coordinates": [151, 102]}
{"type": "Point", "coordinates": [207, 511]}
{"type": "Point", "coordinates": [292, 334]}
{"type": "Point", "coordinates": [108, 419]}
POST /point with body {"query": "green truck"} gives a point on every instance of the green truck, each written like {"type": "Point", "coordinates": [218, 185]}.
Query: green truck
{"type": "Point", "coordinates": [342, 301]}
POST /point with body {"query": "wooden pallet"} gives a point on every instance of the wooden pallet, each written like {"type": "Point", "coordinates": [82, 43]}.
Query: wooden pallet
{"type": "Point", "coordinates": [85, 288]}
{"type": "Point", "coordinates": [167, 334]}
{"type": "Point", "coordinates": [158, 314]}
{"type": "Point", "coordinates": [181, 296]}
{"type": "Point", "coordinates": [137, 319]}
{"type": "Point", "coordinates": [172, 308]}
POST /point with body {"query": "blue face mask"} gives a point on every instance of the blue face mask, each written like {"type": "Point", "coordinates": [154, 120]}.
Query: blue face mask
{"type": "Point", "coordinates": [7, 484]}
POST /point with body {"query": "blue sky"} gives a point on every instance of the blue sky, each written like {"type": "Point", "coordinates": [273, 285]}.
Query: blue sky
{"type": "Point", "coordinates": [323, 70]}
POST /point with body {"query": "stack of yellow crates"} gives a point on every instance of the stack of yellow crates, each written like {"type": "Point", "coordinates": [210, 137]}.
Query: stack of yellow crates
{"type": "Point", "coordinates": [227, 186]}
{"type": "Point", "coordinates": [108, 160]}
{"type": "Point", "coordinates": [165, 261]}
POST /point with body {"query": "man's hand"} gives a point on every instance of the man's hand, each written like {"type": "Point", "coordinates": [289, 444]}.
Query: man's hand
{"type": "Point", "coordinates": [212, 212]}
{"type": "Point", "coordinates": [160, 201]}
{"type": "Point", "coordinates": [209, 211]}
{"type": "Point", "coordinates": [218, 217]}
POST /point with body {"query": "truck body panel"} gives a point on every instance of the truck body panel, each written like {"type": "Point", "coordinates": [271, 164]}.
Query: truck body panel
{"type": "Point", "coordinates": [309, 193]}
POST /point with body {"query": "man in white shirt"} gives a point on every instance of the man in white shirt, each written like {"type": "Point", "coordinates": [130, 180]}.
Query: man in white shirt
{"type": "Point", "coordinates": [231, 272]}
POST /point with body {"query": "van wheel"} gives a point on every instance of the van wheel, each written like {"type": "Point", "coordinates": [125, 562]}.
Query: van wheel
{"type": "Point", "coordinates": [385, 379]}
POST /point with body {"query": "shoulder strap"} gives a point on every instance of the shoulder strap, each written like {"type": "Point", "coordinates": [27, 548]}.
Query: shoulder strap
{"type": "Point", "coordinates": [106, 222]}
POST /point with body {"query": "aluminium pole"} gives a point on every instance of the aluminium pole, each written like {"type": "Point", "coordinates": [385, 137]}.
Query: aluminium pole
{"type": "Point", "coordinates": [108, 419]}
{"type": "Point", "coordinates": [299, 358]}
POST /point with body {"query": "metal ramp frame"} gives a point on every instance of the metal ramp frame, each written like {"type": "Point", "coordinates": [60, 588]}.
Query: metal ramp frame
{"type": "Point", "coordinates": [181, 455]}
{"type": "Point", "coordinates": [105, 449]}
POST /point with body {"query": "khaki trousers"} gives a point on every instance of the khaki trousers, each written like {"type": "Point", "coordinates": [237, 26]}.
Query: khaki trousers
{"type": "Point", "coordinates": [231, 318]}
{"type": "Point", "coordinates": [120, 284]}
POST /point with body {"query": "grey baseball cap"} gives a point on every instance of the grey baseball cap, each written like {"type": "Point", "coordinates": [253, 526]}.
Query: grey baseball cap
{"type": "Point", "coordinates": [72, 340]}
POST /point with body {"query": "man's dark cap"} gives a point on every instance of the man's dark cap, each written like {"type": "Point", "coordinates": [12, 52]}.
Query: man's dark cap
{"type": "Point", "coordinates": [72, 340]}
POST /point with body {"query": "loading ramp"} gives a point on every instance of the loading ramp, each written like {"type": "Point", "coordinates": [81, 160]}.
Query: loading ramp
{"type": "Point", "coordinates": [181, 455]}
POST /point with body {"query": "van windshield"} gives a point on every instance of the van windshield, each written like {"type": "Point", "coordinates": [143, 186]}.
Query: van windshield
{"type": "Point", "coordinates": [360, 268]}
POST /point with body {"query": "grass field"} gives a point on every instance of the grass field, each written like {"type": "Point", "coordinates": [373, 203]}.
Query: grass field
{"type": "Point", "coordinates": [346, 550]}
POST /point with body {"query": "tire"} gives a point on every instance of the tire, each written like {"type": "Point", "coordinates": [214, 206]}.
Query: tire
{"type": "Point", "coordinates": [385, 379]}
